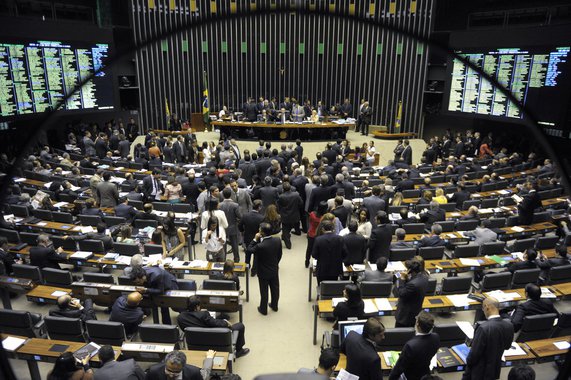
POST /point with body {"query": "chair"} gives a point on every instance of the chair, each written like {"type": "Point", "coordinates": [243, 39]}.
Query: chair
{"type": "Point", "coordinates": [448, 207]}
{"type": "Point", "coordinates": [126, 249]}
{"type": "Point", "coordinates": [20, 211]}
{"type": "Point", "coordinates": [497, 222]}
{"type": "Point", "coordinates": [135, 165]}
{"type": "Point", "coordinates": [100, 278]}
{"type": "Point", "coordinates": [447, 225]}
{"type": "Point", "coordinates": [521, 245]}
{"type": "Point", "coordinates": [21, 323]}
{"type": "Point", "coordinates": [431, 253]}
{"type": "Point", "coordinates": [105, 332]}
{"type": "Point", "coordinates": [396, 338]}
{"type": "Point", "coordinates": [563, 327]}
{"type": "Point", "coordinates": [373, 289]}
{"type": "Point", "coordinates": [396, 209]}
{"type": "Point", "coordinates": [137, 204]}
{"type": "Point", "coordinates": [60, 328]}
{"type": "Point", "coordinates": [414, 228]}
{"type": "Point", "coordinates": [541, 217]}
{"type": "Point", "coordinates": [155, 333]}
{"type": "Point", "coordinates": [543, 242]}
{"type": "Point", "coordinates": [43, 214]}
{"type": "Point", "coordinates": [559, 275]}
{"type": "Point", "coordinates": [113, 220]}
{"type": "Point", "coordinates": [90, 220]}
{"type": "Point", "coordinates": [489, 203]}
{"type": "Point", "coordinates": [124, 280]}
{"type": "Point", "coordinates": [91, 246]}
{"type": "Point", "coordinates": [162, 206]}
{"type": "Point", "coordinates": [66, 244]}
{"type": "Point", "coordinates": [186, 284]}
{"type": "Point", "coordinates": [62, 217]}
{"type": "Point", "coordinates": [536, 327]}
{"type": "Point", "coordinates": [456, 285]}
{"type": "Point", "coordinates": [31, 272]}
{"type": "Point", "coordinates": [466, 225]}
{"type": "Point", "coordinates": [181, 207]}
{"type": "Point", "coordinates": [57, 277]}
{"type": "Point", "coordinates": [493, 248]}
{"type": "Point", "coordinates": [29, 238]}
{"type": "Point", "coordinates": [143, 223]}
{"type": "Point", "coordinates": [496, 281]}
{"type": "Point", "coordinates": [332, 289]}
{"type": "Point", "coordinates": [411, 193]}
{"type": "Point", "coordinates": [218, 285]}
{"type": "Point", "coordinates": [211, 338]}
{"type": "Point", "coordinates": [11, 235]}
{"type": "Point", "coordinates": [152, 249]}
{"type": "Point", "coordinates": [523, 277]}
{"type": "Point", "coordinates": [473, 202]}
{"type": "Point", "coordinates": [512, 220]}
{"type": "Point", "coordinates": [466, 251]}
{"type": "Point", "coordinates": [401, 254]}
{"type": "Point", "coordinates": [450, 334]}
{"type": "Point", "coordinates": [431, 287]}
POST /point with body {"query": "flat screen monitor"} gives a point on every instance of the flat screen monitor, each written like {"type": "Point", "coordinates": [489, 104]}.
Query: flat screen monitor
{"type": "Point", "coordinates": [346, 326]}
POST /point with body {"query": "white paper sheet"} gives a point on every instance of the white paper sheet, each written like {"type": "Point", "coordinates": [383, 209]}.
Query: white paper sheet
{"type": "Point", "coordinates": [470, 262]}
{"type": "Point", "coordinates": [335, 301]}
{"type": "Point", "coordinates": [12, 343]}
{"type": "Point", "coordinates": [466, 328]}
{"type": "Point", "coordinates": [395, 266]}
{"type": "Point", "coordinates": [344, 375]}
{"type": "Point", "coordinates": [370, 307]}
{"type": "Point", "coordinates": [59, 293]}
{"type": "Point", "coordinates": [383, 304]}
{"type": "Point", "coordinates": [563, 345]}
{"type": "Point", "coordinates": [459, 300]}
{"type": "Point", "coordinates": [514, 350]}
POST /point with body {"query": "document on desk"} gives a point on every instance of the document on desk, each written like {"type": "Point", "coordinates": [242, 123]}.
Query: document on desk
{"type": "Point", "coordinates": [563, 345]}
{"type": "Point", "coordinates": [383, 304]}
{"type": "Point", "coordinates": [370, 306]}
{"type": "Point", "coordinates": [153, 258]}
{"type": "Point", "coordinates": [358, 267]}
{"type": "Point", "coordinates": [395, 266]}
{"type": "Point", "coordinates": [12, 343]}
{"type": "Point", "coordinates": [514, 350]}
{"type": "Point", "coordinates": [335, 301]}
{"type": "Point", "coordinates": [344, 375]}
{"type": "Point", "coordinates": [470, 262]}
{"type": "Point", "coordinates": [501, 296]}
{"type": "Point", "coordinates": [466, 328]}
{"type": "Point", "coordinates": [459, 300]}
{"type": "Point", "coordinates": [546, 293]}
{"type": "Point", "coordinates": [58, 293]}
{"type": "Point", "coordinates": [60, 204]}
{"type": "Point", "coordinates": [517, 229]}
{"type": "Point", "coordinates": [373, 267]}
{"type": "Point", "coordinates": [147, 347]}
{"type": "Point", "coordinates": [124, 260]}
{"type": "Point", "coordinates": [198, 264]}
{"type": "Point", "coordinates": [518, 255]}
{"type": "Point", "coordinates": [84, 255]}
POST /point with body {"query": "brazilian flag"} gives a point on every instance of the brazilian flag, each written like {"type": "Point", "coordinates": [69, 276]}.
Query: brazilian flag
{"type": "Point", "coordinates": [205, 107]}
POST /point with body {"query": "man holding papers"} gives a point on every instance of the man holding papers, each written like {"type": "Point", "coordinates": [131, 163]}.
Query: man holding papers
{"type": "Point", "coordinates": [411, 288]}
{"type": "Point", "coordinates": [533, 306]}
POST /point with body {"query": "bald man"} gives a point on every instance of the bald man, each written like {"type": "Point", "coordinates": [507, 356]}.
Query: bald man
{"type": "Point", "coordinates": [491, 338]}
{"type": "Point", "coordinates": [127, 311]}
{"type": "Point", "coordinates": [68, 307]}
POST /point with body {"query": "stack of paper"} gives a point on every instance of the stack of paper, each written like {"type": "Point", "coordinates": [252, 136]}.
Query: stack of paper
{"type": "Point", "coordinates": [82, 255]}
{"type": "Point", "coordinates": [459, 300]}
{"type": "Point", "coordinates": [470, 262]}
{"type": "Point", "coordinates": [358, 267]}
{"type": "Point", "coordinates": [383, 304]}
{"type": "Point", "coordinates": [546, 293]}
{"type": "Point", "coordinates": [501, 296]}
{"type": "Point", "coordinates": [111, 256]}
{"type": "Point", "coordinates": [60, 204]}
{"type": "Point", "coordinates": [344, 375]}
{"type": "Point", "coordinates": [395, 266]}
{"type": "Point", "coordinates": [123, 260]}
{"type": "Point", "coordinates": [517, 229]}
{"type": "Point", "coordinates": [466, 328]}
{"type": "Point", "coordinates": [370, 306]}
{"type": "Point", "coordinates": [335, 301]}
{"type": "Point", "coordinates": [12, 343]}
{"type": "Point", "coordinates": [514, 350]}
{"type": "Point", "coordinates": [58, 293]}
{"type": "Point", "coordinates": [563, 345]}
{"type": "Point", "coordinates": [198, 264]}
{"type": "Point", "coordinates": [517, 255]}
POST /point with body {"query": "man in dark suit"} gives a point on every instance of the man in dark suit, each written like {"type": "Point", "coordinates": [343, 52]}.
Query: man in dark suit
{"type": "Point", "coordinates": [125, 210]}
{"type": "Point", "coordinates": [154, 281]}
{"type": "Point", "coordinates": [329, 153]}
{"type": "Point", "coordinates": [365, 117]}
{"type": "Point", "coordinates": [233, 216]}
{"type": "Point", "coordinates": [374, 204]}
{"type": "Point", "coordinates": [362, 357]}
{"type": "Point", "coordinates": [147, 213]}
{"type": "Point", "coordinates": [434, 239]}
{"type": "Point", "coordinates": [355, 245]}
{"type": "Point", "coordinates": [527, 206]}
{"type": "Point", "coordinates": [410, 289]}
{"type": "Point", "coordinates": [405, 183]}
{"type": "Point", "coordinates": [44, 255]}
{"type": "Point", "coordinates": [459, 148]}
{"type": "Point", "coordinates": [101, 146]}
{"type": "Point", "coordinates": [268, 194]}
{"type": "Point", "coordinates": [6, 257]}
{"type": "Point", "coordinates": [290, 206]}
{"type": "Point", "coordinates": [249, 226]}
{"type": "Point", "coordinates": [340, 211]}
{"type": "Point", "coordinates": [491, 339]}
{"type": "Point", "coordinates": [381, 237]}
{"type": "Point", "coordinates": [546, 264]}
{"type": "Point", "coordinates": [533, 306]}
{"type": "Point", "coordinates": [126, 310]}
{"type": "Point", "coordinates": [124, 146]}
{"type": "Point", "coordinates": [99, 235]}
{"type": "Point", "coordinates": [152, 186]}
{"type": "Point", "coordinates": [168, 153]}
{"type": "Point", "coordinates": [433, 215]}
{"type": "Point", "coordinates": [400, 233]}
{"type": "Point", "coordinates": [378, 275]}
{"type": "Point", "coordinates": [180, 150]}
{"type": "Point", "coordinates": [329, 251]}
{"type": "Point", "coordinates": [112, 369]}
{"type": "Point", "coordinates": [414, 359]}
{"type": "Point", "coordinates": [107, 192]}
{"type": "Point", "coordinates": [406, 155]}
{"type": "Point", "coordinates": [175, 368]}
{"type": "Point", "coordinates": [460, 196]}
{"type": "Point", "coordinates": [320, 193]}
{"type": "Point", "coordinates": [68, 307]}
{"type": "Point", "coordinates": [268, 253]}
{"type": "Point", "coordinates": [194, 317]}
{"type": "Point", "coordinates": [529, 261]}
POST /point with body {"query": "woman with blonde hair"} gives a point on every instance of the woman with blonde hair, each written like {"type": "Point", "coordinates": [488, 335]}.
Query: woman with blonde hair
{"type": "Point", "coordinates": [426, 198]}
{"type": "Point", "coordinates": [272, 217]}
{"type": "Point", "coordinates": [398, 199]}
{"type": "Point", "coordinates": [440, 197]}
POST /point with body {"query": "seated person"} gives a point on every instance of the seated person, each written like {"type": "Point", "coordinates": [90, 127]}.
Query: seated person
{"type": "Point", "coordinates": [126, 310]}
{"type": "Point", "coordinates": [529, 257]}
{"type": "Point", "coordinates": [71, 308]}
{"type": "Point", "coordinates": [90, 208]}
{"type": "Point", "coordinates": [433, 215]}
{"type": "Point", "coordinates": [400, 233]}
{"type": "Point", "coordinates": [482, 234]}
{"type": "Point", "coordinates": [147, 213]}
{"type": "Point", "coordinates": [99, 235]}
{"type": "Point", "coordinates": [354, 307]}
{"type": "Point", "coordinates": [533, 306]}
{"type": "Point", "coordinates": [546, 264]}
{"type": "Point", "coordinates": [472, 214]}
{"type": "Point", "coordinates": [440, 197]}
{"type": "Point", "coordinates": [6, 257]}
{"type": "Point", "coordinates": [68, 367]}
{"type": "Point", "coordinates": [228, 274]}
{"type": "Point", "coordinates": [379, 274]}
{"type": "Point", "coordinates": [194, 317]}
{"type": "Point", "coordinates": [434, 239]}
{"type": "Point", "coordinates": [327, 362]}
{"type": "Point", "coordinates": [426, 197]}
{"type": "Point", "coordinates": [44, 255]}
{"type": "Point", "coordinates": [135, 194]}
{"type": "Point", "coordinates": [174, 367]}
{"type": "Point", "coordinates": [126, 235]}
{"type": "Point", "coordinates": [125, 210]}
{"type": "Point", "coordinates": [120, 370]}
{"type": "Point", "coordinates": [404, 219]}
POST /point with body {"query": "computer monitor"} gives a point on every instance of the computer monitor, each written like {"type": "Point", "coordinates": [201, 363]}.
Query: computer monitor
{"type": "Point", "coordinates": [346, 326]}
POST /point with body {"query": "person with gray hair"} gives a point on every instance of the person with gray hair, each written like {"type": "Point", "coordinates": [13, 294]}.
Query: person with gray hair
{"type": "Point", "coordinates": [400, 233]}
{"type": "Point", "coordinates": [136, 261]}
{"type": "Point", "coordinates": [434, 239]}
{"type": "Point", "coordinates": [174, 367]}
{"type": "Point", "coordinates": [44, 255]}
{"type": "Point", "coordinates": [433, 215]}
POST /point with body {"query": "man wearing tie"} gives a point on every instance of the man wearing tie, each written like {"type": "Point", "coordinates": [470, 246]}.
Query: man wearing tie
{"type": "Point", "coordinates": [346, 109]}
{"type": "Point", "coordinates": [359, 121]}
{"type": "Point", "coordinates": [283, 118]}
{"type": "Point", "coordinates": [366, 114]}
{"type": "Point", "coordinates": [406, 155]}
{"type": "Point", "coordinates": [179, 150]}
{"type": "Point", "coordinates": [236, 150]}
{"type": "Point", "coordinates": [152, 186]}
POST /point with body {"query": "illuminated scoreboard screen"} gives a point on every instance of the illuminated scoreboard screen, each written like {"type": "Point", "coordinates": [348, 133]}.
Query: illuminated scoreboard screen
{"type": "Point", "coordinates": [37, 75]}
{"type": "Point", "coordinates": [538, 77]}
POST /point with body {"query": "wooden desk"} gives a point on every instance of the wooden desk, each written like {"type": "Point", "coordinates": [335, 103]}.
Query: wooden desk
{"type": "Point", "coordinates": [545, 350]}
{"type": "Point", "coordinates": [342, 364]}
{"type": "Point", "coordinates": [36, 349]}
{"type": "Point", "coordinates": [291, 130]}
{"type": "Point", "coordinates": [52, 227]}
{"type": "Point", "coordinates": [533, 229]}
{"type": "Point", "coordinates": [44, 294]}
{"type": "Point", "coordinates": [196, 358]}
{"type": "Point", "coordinates": [13, 284]}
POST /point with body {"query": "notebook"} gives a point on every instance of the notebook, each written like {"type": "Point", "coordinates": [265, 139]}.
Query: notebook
{"type": "Point", "coordinates": [89, 350]}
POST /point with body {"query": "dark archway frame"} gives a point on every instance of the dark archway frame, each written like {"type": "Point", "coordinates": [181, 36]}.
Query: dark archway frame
{"type": "Point", "coordinates": [530, 122]}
